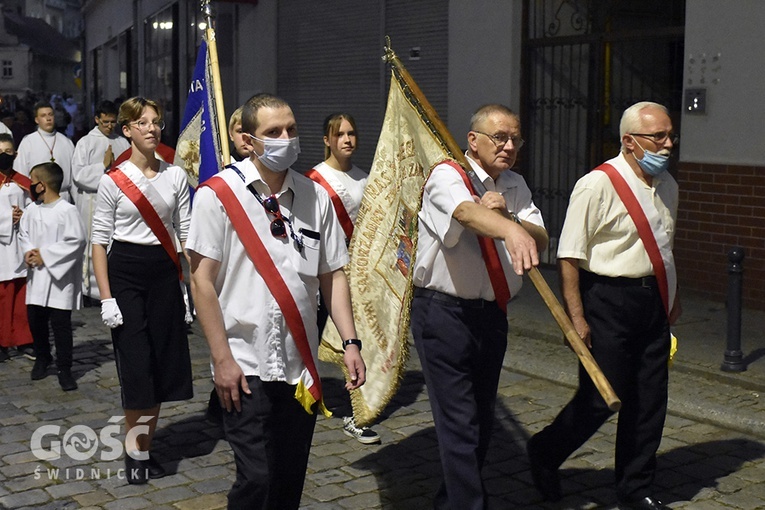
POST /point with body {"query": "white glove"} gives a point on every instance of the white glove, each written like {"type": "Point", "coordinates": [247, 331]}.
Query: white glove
{"type": "Point", "coordinates": [110, 313]}
{"type": "Point", "coordinates": [189, 318]}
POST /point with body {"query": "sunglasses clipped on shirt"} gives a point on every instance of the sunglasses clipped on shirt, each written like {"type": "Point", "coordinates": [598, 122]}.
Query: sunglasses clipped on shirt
{"type": "Point", "coordinates": [280, 223]}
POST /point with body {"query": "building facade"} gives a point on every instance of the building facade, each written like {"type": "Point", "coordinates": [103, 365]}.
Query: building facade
{"type": "Point", "coordinates": [568, 67]}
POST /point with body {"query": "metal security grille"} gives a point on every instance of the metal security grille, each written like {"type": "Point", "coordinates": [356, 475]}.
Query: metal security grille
{"type": "Point", "coordinates": [585, 62]}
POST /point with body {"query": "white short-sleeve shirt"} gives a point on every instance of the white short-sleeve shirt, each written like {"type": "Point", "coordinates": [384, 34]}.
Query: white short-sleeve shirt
{"type": "Point", "coordinates": [257, 332]}
{"type": "Point", "coordinates": [449, 257]}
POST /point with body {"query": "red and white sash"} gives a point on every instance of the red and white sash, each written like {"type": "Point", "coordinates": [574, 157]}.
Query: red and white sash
{"type": "Point", "coordinates": [489, 253]}
{"type": "Point", "coordinates": [337, 202]}
{"type": "Point", "coordinates": [651, 230]}
{"type": "Point", "coordinates": [163, 152]}
{"type": "Point", "coordinates": [148, 201]}
{"type": "Point", "coordinates": [22, 180]}
{"type": "Point", "coordinates": [279, 275]}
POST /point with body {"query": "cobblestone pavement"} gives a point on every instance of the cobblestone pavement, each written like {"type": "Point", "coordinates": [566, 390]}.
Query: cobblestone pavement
{"type": "Point", "coordinates": [712, 455]}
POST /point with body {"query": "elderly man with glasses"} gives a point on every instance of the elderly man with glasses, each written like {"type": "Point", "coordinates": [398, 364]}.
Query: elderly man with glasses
{"type": "Point", "coordinates": [94, 154]}
{"type": "Point", "coordinates": [619, 288]}
{"type": "Point", "coordinates": [476, 238]}
{"type": "Point", "coordinates": [263, 240]}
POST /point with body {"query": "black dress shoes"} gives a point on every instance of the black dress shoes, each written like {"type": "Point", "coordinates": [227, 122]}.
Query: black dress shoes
{"type": "Point", "coordinates": [545, 478]}
{"type": "Point", "coordinates": [155, 468]}
{"type": "Point", "coordinates": [136, 471]}
{"type": "Point", "coordinates": [40, 368]}
{"type": "Point", "coordinates": [647, 503]}
{"type": "Point", "coordinates": [66, 381]}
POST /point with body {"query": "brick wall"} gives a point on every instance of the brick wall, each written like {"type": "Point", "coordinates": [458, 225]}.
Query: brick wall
{"type": "Point", "coordinates": [721, 206]}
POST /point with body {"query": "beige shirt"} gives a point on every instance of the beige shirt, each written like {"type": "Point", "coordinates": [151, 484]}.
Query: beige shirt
{"type": "Point", "coordinates": [598, 230]}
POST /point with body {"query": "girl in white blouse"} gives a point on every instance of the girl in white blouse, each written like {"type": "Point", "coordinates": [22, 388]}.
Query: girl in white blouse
{"type": "Point", "coordinates": [138, 279]}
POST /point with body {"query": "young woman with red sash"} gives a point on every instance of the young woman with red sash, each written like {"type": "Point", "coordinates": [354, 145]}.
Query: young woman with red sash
{"type": "Point", "coordinates": [142, 209]}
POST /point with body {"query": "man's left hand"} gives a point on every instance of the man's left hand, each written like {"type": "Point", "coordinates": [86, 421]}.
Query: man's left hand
{"type": "Point", "coordinates": [494, 200]}
{"type": "Point", "coordinates": [356, 368]}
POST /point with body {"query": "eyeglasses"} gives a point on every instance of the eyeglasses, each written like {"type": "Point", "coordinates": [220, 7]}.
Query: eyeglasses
{"type": "Point", "coordinates": [107, 122]}
{"type": "Point", "coordinates": [501, 139]}
{"type": "Point", "coordinates": [144, 126]}
{"type": "Point", "coordinates": [660, 136]}
{"type": "Point", "coordinates": [278, 228]}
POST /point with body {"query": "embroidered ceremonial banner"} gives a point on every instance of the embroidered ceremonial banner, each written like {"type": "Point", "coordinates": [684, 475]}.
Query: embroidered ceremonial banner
{"type": "Point", "coordinates": [198, 148]}
{"type": "Point", "coordinates": [382, 251]}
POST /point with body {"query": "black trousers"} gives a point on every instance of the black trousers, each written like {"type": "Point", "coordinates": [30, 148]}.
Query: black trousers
{"type": "Point", "coordinates": [271, 440]}
{"type": "Point", "coordinates": [151, 348]}
{"type": "Point", "coordinates": [60, 324]}
{"type": "Point", "coordinates": [461, 344]}
{"type": "Point", "coordinates": [630, 342]}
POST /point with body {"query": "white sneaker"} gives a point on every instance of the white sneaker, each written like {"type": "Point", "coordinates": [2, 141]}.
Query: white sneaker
{"type": "Point", "coordinates": [363, 435]}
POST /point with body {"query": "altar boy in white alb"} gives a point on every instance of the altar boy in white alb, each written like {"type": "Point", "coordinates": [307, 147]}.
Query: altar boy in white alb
{"type": "Point", "coordinates": [46, 145]}
{"type": "Point", "coordinates": [52, 238]}
{"type": "Point", "coordinates": [95, 153]}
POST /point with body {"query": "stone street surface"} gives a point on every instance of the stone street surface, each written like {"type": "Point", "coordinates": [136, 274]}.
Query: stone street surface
{"type": "Point", "coordinates": [712, 454]}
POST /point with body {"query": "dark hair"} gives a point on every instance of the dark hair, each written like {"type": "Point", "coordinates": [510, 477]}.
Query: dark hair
{"type": "Point", "coordinates": [255, 103]}
{"type": "Point", "coordinates": [332, 125]}
{"type": "Point", "coordinates": [51, 174]}
{"type": "Point", "coordinates": [41, 104]}
{"type": "Point", "coordinates": [6, 137]}
{"type": "Point", "coordinates": [107, 108]}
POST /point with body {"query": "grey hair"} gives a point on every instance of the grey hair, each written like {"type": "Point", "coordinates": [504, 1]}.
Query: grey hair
{"type": "Point", "coordinates": [632, 121]}
{"type": "Point", "coordinates": [484, 111]}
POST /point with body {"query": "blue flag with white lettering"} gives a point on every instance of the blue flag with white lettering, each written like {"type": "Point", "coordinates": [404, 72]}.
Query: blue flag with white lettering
{"type": "Point", "coordinates": [198, 150]}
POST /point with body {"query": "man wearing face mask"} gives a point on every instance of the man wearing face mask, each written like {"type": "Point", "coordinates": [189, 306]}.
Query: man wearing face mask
{"type": "Point", "coordinates": [263, 240]}
{"type": "Point", "coordinates": [619, 288]}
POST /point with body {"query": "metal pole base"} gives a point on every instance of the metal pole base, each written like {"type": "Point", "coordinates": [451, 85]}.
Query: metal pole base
{"type": "Point", "coordinates": [733, 362]}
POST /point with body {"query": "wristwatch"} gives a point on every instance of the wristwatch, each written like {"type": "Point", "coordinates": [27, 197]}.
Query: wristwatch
{"type": "Point", "coordinates": [352, 341]}
{"type": "Point", "coordinates": [515, 218]}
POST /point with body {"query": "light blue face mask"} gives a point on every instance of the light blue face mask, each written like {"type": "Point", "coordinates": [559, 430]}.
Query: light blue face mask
{"type": "Point", "coordinates": [652, 163]}
{"type": "Point", "coordinates": [278, 153]}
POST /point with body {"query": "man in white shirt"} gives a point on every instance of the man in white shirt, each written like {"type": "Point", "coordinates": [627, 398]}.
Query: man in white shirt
{"type": "Point", "coordinates": [46, 145]}
{"type": "Point", "coordinates": [263, 239]}
{"type": "Point", "coordinates": [93, 156]}
{"type": "Point", "coordinates": [459, 319]}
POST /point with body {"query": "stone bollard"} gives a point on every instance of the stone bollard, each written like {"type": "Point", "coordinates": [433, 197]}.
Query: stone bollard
{"type": "Point", "coordinates": [733, 361]}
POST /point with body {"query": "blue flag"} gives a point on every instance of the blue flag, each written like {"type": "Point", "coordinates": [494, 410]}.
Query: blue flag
{"type": "Point", "coordinates": [198, 150]}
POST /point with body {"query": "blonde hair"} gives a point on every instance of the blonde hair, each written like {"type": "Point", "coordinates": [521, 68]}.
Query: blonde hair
{"type": "Point", "coordinates": [332, 125]}
{"type": "Point", "coordinates": [236, 118]}
{"type": "Point", "coordinates": [132, 109]}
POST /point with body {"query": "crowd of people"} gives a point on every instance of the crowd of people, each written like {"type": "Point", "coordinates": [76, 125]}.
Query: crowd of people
{"type": "Point", "coordinates": [266, 247]}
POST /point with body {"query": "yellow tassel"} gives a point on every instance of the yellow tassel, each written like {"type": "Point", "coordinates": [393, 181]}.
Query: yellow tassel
{"type": "Point", "coordinates": [307, 401]}
{"type": "Point", "coordinates": [672, 349]}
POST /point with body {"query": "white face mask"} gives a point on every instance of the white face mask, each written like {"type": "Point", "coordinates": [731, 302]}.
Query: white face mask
{"type": "Point", "coordinates": [278, 153]}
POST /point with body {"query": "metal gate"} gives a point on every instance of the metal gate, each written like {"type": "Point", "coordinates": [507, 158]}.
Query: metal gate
{"type": "Point", "coordinates": [584, 62]}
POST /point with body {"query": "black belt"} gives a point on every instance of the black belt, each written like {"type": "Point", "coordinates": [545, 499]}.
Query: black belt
{"type": "Point", "coordinates": [453, 300]}
{"type": "Point", "coordinates": [648, 282]}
